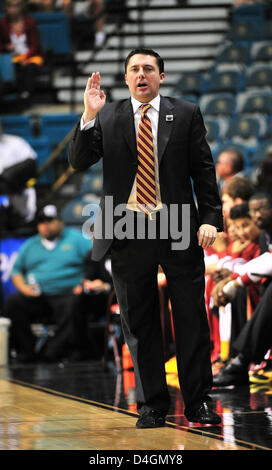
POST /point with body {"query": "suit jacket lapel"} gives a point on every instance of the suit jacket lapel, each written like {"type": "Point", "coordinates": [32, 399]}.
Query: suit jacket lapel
{"type": "Point", "coordinates": [164, 127]}
{"type": "Point", "coordinates": [126, 120]}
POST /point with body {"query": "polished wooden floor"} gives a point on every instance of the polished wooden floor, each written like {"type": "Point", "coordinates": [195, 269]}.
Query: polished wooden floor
{"type": "Point", "coordinates": [81, 406]}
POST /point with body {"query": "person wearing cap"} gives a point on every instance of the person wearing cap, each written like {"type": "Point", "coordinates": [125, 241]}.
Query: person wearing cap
{"type": "Point", "coordinates": [18, 170]}
{"type": "Point", "coordinates": [47, 272]}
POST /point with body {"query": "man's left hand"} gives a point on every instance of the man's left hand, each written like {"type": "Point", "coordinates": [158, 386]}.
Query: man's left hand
{"type": "Point", "coordinates": [206, 235]}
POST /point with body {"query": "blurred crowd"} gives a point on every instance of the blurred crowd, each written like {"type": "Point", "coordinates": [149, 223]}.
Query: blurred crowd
{"type": "Point", "coordinates": [20, 36]}
{"type": "Point", "coordinates": [239, 274]}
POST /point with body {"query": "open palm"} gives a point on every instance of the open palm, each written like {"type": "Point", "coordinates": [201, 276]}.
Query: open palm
{"type": "Point", "coordinates": [94, 98]}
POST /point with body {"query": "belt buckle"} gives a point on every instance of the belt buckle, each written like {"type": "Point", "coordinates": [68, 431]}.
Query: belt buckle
{"type": "Point", "coordinates": [152, 215]}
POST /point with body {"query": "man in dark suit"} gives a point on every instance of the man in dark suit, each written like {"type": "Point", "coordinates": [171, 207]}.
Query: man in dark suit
{"type": "Point", "coordinates": [173, 134]}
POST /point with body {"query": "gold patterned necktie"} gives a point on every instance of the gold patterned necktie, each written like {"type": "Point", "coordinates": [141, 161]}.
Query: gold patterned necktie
{"type": "Point", "coordinates": [145, 177]}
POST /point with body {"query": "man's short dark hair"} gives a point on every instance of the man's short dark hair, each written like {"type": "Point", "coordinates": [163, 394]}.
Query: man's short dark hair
{"type": "Point", "coordinates": [237, 160]}
{"type": "Point", "coordinates": [239, 211]}
{"type": "Point", "coordinates": [239, 187]}
{"type": "Point", "coordinates": [143, 50]}
{"type": "Point", "coordinates": [262, 195]}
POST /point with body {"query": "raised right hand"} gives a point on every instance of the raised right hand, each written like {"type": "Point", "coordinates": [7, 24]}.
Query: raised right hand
{"type": "Point", "coordinates": [94, 98]}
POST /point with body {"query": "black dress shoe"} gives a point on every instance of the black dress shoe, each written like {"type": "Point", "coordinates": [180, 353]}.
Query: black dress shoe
{"type": "Point", "coordinates": [151, 419]}
{"type": "Point", "coordinates": [232, 374]}
{"type": "Point", "coordinates": [203, 414]}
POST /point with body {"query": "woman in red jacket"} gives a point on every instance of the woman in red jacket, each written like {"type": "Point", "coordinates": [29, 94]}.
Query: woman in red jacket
{"type": "Point", "coordinates": [19, 36]}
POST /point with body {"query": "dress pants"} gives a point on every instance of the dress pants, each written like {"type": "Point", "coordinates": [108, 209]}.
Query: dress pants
{"type": "Point", "coordinates": [134, 268]}
{"type": "Point", "coordinates": [57, 309]}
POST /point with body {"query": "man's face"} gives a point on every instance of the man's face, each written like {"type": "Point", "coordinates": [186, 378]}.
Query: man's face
{"type": "Point", "coordinates": [261, 212]}
{"type": "Point", "coordinates": [13, 7]}
{"type": "Point", "coordinates": [246, 229]}
{"type": "Point", "coordinates": [48, 4]}
{"type": "Point", "coordinates": [143, 77]}
{"type": "Point", "coordinates": [224, 165]}
{"type": "Point", "coordinates": [231, 230]}
{"type": "Point", "coordinates": [227, 204]}
{"type": "Point", "coordinates": [50, 229]}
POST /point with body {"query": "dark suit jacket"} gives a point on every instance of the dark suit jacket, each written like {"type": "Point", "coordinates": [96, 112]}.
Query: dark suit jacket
{"type": "Point", "coordinates": [183, 153]}
{"type": "Point", "coordinates": [97, 269]}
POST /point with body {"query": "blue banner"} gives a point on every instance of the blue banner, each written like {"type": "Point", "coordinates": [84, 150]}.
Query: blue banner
{"type": "Point", "coordinates": [9, 248]}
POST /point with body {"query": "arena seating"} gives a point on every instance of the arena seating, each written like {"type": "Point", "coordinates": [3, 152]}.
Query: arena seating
{"type": "Point", "coordinates": [54, 32]}
{"type": "Point", "coordinates": [235, 95]}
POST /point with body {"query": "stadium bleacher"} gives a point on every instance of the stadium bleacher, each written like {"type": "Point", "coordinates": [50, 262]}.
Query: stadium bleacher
{"type": "Point", "coordinates": [54, 32]}
{"type": "Point", "coordinates": [235, 95]}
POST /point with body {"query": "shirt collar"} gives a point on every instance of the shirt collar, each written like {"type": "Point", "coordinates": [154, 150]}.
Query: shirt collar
{"type": "Point", "coordinates": [155, 103]}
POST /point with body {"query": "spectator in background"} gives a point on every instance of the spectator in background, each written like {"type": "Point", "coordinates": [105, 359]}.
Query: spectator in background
{"type": "Point", "coordinates": [264, 174]}
{"type": "Point", "coordinates": [236, 191]}
{"type": "Point", "coordinates": [230, 163]}
{"type": "Point", "coordinates": [238, 3]}
{"type": "Point", "coordinates": [245, 245]}
{"type": "Point", "coordinates": [87, 10]}
{"type": "Point", "coordinates": [95, 288]}
{"type": "Point", "coordinates": [255, 338]}
{"type": "Point", "coordinates": [18, 169]}
{"type": "Point", "coordinates": [226, 247]}
{"type": "Point", "coordinates": [41, 5]}
{"type": "Point", "coordinates": [248, 238]}
{"type": "Point", "coordinates": [117, 11]}
{"type": "Point", "coordinates": [19, 36]}
{"type": "Point", "coordinates": [47, 272]}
